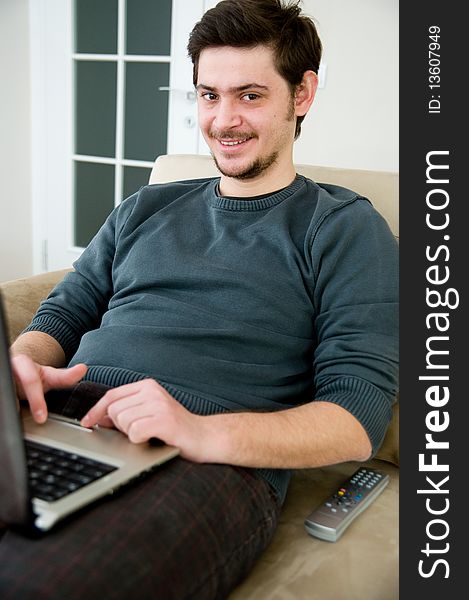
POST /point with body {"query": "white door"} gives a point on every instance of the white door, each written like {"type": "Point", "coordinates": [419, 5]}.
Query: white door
{"type": "Point", "coordinates": [111, 90]}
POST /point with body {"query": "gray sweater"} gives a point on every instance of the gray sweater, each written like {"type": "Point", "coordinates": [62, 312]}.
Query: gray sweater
{"type": "Point", "coordinates": [239, 304]}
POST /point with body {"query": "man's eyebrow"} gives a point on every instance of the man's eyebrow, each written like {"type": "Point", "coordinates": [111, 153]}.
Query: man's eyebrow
{"type": "Point", "coordinates": [240, 88]}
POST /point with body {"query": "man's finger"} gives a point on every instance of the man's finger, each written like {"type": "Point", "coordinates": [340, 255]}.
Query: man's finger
{"type": "Point", "coordinates": [27, 374]}
{"type": "Point", "coordinates": [100, 409]}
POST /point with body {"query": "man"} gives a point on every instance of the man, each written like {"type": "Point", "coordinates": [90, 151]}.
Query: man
{"type": "Point", "coordinates": [249, 320]}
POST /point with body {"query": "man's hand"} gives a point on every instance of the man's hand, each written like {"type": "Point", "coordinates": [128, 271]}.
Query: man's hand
{"type": "Point", "coordinates": [143, 410]}
{"type": "Point", "coordinates": [33, 380]}
{"type": "Point", "coordinates": [304, 436]}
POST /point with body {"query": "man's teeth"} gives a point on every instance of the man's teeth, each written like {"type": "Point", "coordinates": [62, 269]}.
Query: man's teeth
{"type": "Point", "coordinates": [232, 143]}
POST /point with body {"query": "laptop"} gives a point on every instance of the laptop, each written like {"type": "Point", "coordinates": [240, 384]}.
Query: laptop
{"type": "Point", "coordinates": [49, 471]}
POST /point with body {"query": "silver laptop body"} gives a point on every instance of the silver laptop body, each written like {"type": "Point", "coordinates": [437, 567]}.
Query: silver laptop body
{"type": "Point", "coordinates": [108, 446]}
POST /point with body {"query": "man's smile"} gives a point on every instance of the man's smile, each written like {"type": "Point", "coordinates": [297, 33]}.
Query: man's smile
{"type": "Point", "coordinates": [232, 142]}
{"type": "Point", "coordinates": [231, 138]}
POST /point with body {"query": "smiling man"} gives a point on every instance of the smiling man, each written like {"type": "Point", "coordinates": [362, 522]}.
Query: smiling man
{"type": "Point", "coordinates": [249, 319]}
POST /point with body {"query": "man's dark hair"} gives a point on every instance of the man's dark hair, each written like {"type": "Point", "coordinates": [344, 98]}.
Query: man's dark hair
{"type": "Point", "coordinates": [274, 23]}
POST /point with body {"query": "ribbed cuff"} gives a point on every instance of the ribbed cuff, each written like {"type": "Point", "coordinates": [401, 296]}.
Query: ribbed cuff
{"type": "Point", "coordinates": [364, 401]}
{"type": "Point", "coordinates": [62, 332]}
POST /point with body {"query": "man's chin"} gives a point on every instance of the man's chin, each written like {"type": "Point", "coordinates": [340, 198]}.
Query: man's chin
{"type": "Point", "coordinates": [244, 172]}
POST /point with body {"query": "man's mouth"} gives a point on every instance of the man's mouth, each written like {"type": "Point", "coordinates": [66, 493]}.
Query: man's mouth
{"type": "Point", "coordinates": [229, 140]}
{"type": "Point", "coordinates": [233, 142]}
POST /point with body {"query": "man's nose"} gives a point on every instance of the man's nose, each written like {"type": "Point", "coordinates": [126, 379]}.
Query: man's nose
{"type": "Point", "coordinates": [227, 114]}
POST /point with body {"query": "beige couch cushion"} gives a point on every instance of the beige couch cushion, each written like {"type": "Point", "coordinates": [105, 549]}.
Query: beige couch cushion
{"type": "Point", "coordinates": [23, 296]}
{"type": "Point", "coordinates": [362, 565]}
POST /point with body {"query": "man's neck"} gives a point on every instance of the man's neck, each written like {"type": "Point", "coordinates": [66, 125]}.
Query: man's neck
{"type": "Point", "coordinates": [265, 183]}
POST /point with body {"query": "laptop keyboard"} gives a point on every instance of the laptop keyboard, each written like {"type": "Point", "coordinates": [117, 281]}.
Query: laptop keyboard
{"type": "Point", "coordinates": [54, 473]}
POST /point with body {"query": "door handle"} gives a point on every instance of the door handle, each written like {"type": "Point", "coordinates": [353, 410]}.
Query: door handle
{"type": "Point", "coordinates": [190, 95]}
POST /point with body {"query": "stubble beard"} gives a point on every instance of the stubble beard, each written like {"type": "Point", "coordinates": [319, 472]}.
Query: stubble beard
{"type": "Point", "coordinates": [256, 168]}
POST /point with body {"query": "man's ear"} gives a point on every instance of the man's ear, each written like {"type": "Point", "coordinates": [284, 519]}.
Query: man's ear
{"type": "Point", "coordinates": [305, 93]}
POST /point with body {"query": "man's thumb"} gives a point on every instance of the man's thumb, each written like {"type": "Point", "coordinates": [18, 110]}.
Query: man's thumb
{"type": "Point", "coordinates": [57, 378]}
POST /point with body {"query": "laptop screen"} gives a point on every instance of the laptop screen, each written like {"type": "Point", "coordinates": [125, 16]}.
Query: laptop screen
{"type": "Point", "coordinates": [15, 507]}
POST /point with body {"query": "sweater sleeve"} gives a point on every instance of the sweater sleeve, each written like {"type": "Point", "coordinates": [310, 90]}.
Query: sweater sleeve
{"type": "Point", "coordinates": [77, 303]}
{"type": "Point", "coordinates": [355, 265]}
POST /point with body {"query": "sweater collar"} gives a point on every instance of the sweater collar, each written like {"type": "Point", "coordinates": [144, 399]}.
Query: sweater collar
{"type": "Point", "coordinates": [253, 203]}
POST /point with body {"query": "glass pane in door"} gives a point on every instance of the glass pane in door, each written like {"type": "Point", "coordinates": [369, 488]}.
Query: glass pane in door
{"type": "Point", "coordinates": [94, 199]}
{"type": "Point", "coordinates": [96, 26]}
{"type": "Point", "coordinates": [146, 111]}
{"type": "Point", "coordinates": [95, 108]}
{"type": "Point", "coordinates": [134, 179]}
{"type": "Point", "coordinates": [149, 27]}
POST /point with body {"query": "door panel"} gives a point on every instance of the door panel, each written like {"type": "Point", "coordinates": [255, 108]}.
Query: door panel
{"type": "Point", "coordinates": [95, 108]}
{"type": "Point", "coordinates": [149, 27]}
{"type": "Point", "coordinates": [94, 199]}
{"type": "Point", "coordinates": [96, 26]}
{"type": "Point", "coordinates": [146, 110]}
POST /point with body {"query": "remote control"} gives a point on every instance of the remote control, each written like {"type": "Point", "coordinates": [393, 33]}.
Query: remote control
{"type": "Point", "coordinates": [329, 521]}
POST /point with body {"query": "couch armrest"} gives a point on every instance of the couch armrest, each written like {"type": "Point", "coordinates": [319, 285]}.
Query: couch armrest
{"type": "Point", "coordinates": [22, 297]}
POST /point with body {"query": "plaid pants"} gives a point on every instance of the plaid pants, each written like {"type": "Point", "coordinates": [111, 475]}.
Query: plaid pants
{"type": "Point", "coordinates": [186, 530]}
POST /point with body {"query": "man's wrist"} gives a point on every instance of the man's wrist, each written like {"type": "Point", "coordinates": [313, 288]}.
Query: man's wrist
{"type": "Point", "coordinates": [215, 441]}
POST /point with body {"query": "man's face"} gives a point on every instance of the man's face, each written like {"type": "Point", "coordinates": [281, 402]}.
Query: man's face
{"type": "Point", "coordinates": [246, 111]}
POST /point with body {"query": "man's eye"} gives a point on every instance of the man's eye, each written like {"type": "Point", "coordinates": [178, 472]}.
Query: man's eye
{"type": "Point", "coordinates": [209, 96]}
{"type": "Point", "coordinates": [251, 97]}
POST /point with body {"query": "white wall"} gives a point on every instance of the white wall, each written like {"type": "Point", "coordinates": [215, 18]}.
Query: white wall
{"type": "Point", "coordinates": [353, 122]}
{"type": "Point", "coordinates": [354, 119]}
{"type": "Point", "coordinates": [15, 147]}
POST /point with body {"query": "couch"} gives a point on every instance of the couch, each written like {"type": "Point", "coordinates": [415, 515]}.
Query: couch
{"type": "Point", "coordinates": [363, 564]}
